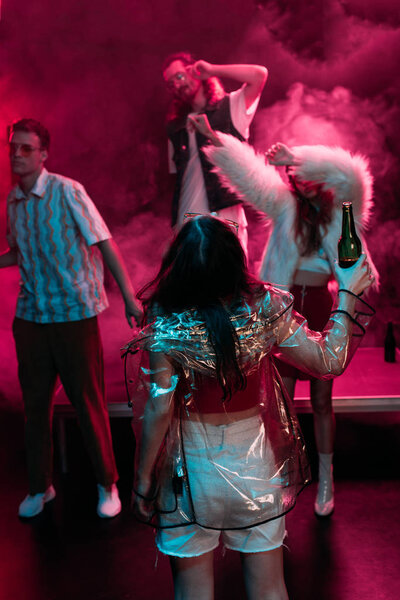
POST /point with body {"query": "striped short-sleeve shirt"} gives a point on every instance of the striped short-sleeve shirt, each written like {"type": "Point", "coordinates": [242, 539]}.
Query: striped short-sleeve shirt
{"type": "Point", "coordinates": [54, 229]}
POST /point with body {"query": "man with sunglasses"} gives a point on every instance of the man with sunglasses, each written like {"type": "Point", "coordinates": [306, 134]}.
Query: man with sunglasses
{"type": "Point", "coordinates": [56, 236]}
{"type": "Point", "coordinates": [196, 89]}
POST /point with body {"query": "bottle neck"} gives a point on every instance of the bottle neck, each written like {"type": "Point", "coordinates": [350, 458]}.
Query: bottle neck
{"type": "Point", "coordinates": [348, 228]}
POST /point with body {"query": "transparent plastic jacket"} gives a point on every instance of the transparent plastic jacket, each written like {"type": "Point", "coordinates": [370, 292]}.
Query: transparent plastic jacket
{"type": "Point", "coordinates": [273, 467]}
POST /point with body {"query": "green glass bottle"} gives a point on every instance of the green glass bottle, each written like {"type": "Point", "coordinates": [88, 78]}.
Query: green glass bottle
{"type": "Point", "coordinates": [349, 246]}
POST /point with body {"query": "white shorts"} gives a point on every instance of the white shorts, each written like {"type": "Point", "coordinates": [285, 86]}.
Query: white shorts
{"type": "Point", "coordinates": [194, 540]}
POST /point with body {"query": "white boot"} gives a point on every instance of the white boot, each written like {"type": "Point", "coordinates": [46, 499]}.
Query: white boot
{"type": "Point", "coordinates": [109, 504]}
{"type": "Point", "coordinates": [324, 502]}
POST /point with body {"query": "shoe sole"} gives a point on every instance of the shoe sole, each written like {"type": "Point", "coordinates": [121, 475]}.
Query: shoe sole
{"type": "Point", "coordinates": [103, 516]}
{"type": "Point", "coordinates": [322, 517]}
{"type": "Point", "coordinates": [30, 516]}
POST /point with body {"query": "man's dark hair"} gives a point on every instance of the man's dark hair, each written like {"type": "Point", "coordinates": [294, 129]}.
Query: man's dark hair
{"type": "Point", "coordinates": [32, 126]}
{"type": "Point", "coordinates": [185, 57]}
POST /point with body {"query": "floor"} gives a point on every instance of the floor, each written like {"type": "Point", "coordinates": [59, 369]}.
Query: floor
{"type": "Point", "coordinates": [68, 553]}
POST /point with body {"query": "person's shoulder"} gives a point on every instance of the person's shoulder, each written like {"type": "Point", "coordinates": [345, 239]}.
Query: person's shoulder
{"type": "Point", "coordinates": [12, 194]}
{"type": "Point", "coordinates": [63, 179]}
{"type": "Point", "coordinates": [237, 92]}
{"type": "Point", "coordinates": [250, 301]}
{"type": "Point", "coordinates": [222, 101]}
{"type": "Point", "coordinates": [262, 307]}
{"type": "Point", "coordinates": [274, 301]}
{"type": "Point", "coordinates": [236, 96]}
{"type": "Point", "coordinates": [64, 184]}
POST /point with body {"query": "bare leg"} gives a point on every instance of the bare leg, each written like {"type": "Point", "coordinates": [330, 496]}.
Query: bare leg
{"type": "Point", "coordinates": [324, 431]}
{"type": "Point", "coordinates": [193, 577]}
{"type": "Point", "coordinates": [263, 575]}
{"type": "Point", "coordinates": [324, 418]}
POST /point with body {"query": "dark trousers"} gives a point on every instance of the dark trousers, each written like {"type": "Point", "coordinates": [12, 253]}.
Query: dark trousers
{"type": "Point", "coordinates": [74, 352]}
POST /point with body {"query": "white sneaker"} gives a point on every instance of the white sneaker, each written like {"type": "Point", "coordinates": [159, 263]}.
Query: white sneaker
{"type": "Point", "coordinates": [109, 504]}
{"type": "Point", "coordinates": [33, 505]}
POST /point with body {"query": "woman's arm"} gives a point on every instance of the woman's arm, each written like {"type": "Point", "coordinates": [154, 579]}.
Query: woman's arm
{"type": "Point", "coordinates": [344, 174]}
{"type": "Point", "coordinates": [327, 353]}
{"type": "Point", "coordinates": [243, 171]}
{"type": "Point", "coordinates": [281, 155]}
{"type": "Point", "coordinates": [156, 419]}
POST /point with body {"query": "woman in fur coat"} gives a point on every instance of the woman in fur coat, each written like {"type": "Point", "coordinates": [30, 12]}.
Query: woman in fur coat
{"type": "Point", "coordinates": [306, 220]}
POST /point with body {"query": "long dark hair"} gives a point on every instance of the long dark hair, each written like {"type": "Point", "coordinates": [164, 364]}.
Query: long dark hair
{"type": "Point", "coordinates": [313, 217]}
{"type": "Point", "coordinates": [205, 268]}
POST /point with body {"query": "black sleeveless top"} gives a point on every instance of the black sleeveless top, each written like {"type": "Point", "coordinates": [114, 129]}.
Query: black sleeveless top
{"type": "Point", "coordinates": [219, 116]}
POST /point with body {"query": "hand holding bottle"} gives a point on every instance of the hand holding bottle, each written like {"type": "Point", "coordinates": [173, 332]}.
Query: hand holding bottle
{"type": "Point", "coordinates": [355, 279]}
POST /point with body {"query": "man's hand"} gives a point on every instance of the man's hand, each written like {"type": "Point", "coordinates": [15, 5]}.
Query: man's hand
{"type": "Point", "coordinates": [133, 310]}
{"type": "Point", "coordinates": [113, 259]}
{"type": "Point", "coordinates": [202, 124]}
{"type": "Point", "coordinates": [280, 155]}
{"type": "Point", "coordinates": [201, 70]}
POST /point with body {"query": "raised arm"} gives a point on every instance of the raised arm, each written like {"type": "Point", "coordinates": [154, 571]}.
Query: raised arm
{"type": "Point", "coordinates": [244, 172]}
{"type": "Point", "coordinates": [327, 353]}
{"type": "Point", "coordinates": [281, 155]}
{"type": "Point", "coordinates": [346, 175]}
{"type": "Point", "coordinates": [254, 76]}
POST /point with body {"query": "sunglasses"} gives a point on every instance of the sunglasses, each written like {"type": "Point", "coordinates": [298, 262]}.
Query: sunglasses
{"type": "Point", "coordinates": [25, 149]}
{"type": "Point", "coordinates": [172, 81]}
{"type": "Point", "coordinates": [232, 224]}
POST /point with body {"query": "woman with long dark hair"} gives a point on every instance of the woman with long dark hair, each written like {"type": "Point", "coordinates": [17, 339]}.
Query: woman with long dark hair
{"type": "Point", "coordinates": [305, 216]}
{"type": "Point", "coordinates": [220, 452]}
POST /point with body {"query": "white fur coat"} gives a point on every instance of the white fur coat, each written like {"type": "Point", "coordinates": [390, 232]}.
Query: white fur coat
{"type": "Point", "coordinates": [245, 172]}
